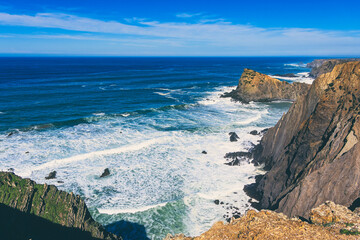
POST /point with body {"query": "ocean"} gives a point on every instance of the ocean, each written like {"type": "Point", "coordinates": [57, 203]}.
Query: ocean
{"type": "Point", "coordinates": [146, 119]}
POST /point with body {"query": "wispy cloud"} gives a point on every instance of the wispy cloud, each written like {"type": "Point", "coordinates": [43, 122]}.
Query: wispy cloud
{"type": "Point", "coordinates": [187, 15]}
{"type": "Point", "coordinates": [205, 35]}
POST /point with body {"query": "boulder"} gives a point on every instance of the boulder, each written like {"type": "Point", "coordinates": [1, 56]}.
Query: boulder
{"type": "Point", "coordinates": [51, 175]}
{"type": "Point", "coordinates": [233, 137]}
{"type": "Point", "coordinates": [105, 173]}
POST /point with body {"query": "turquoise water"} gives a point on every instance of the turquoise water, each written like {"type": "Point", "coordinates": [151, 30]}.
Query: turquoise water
{"type": "Point", "coordinates": [147, 120]}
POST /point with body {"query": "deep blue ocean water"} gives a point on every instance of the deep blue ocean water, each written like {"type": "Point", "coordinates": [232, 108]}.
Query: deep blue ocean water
{"type": "Point", "coordinates": [147, 120]}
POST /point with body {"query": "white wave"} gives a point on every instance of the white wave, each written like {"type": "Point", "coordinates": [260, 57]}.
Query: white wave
{"type": "Point", "coordinates": [111, 211]}
{"type": "Point", "coordinates": [162, 94]}
{"type": "Point", "coordinates": [249, 120]}
{"type": "Point", "coordinates": [302, 77]}
{"type": "Point", "coordinates": [214, 98]}
{"type": "Point", "coordinates": [81, 157]}
{"type": "Point", "coordinates": [99, 114]}
{"type": "Point", "coordinates": [2, 113]}
{"type": "Point", "coordinates": [125, 114]}
{"type": "Point", "coordinates": [302, 65]}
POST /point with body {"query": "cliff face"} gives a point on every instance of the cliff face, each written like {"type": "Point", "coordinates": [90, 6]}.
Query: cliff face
{"type": "Point", "coordinates": [254, 86]}
{"type": "Point", "coordinates": [321, 66]}
{"type": "Point", "coordinates": [331, 221]}
{"type": "Point", "coordinates": [49, 203]}
{"type": "Point", "coordinates": [313, 152]}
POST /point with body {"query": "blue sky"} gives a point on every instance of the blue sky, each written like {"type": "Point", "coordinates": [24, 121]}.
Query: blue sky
{"type": "Point", "coordinates": [180, 28]}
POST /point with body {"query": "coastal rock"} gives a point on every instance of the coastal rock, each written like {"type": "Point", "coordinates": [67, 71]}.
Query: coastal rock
{"type": "Point", "coordinates": [236, 158]}
{"type": "Point", "coordinates": [268, 225]}
{"type": "Point", "coordinates": [47, 202]}
{"type": "Point", "coordinates": [312, 153]}
{"type": "Point", "coordinates": [254, 86]}
{"type": "Point", "coordinates": [330, 212]}
{"type": "Point", "coordinates": [51, 175]}
{"type": "Point", "coordinates": [233, 137]}
{"type": "Point", "coordinates": [254, 132]}
{"type": "Point", "coordinates": [321, 66]}
{"type": "Point", "coordinates": [291, 75]}
{"type": "Point", "coordinates": [105, 173]}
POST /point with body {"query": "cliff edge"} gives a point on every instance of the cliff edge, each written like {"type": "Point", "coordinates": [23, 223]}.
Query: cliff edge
{"type": "Point", "coordinates": [313, 152]}
{"type": "Point", "coordinates": [46, 205]}
{"type": "Point", "coordinates": [321, 66]}
{"type": "Point", "coordinates": [329, 221]}
{"type": "Point", "coordinates": [255, 86]}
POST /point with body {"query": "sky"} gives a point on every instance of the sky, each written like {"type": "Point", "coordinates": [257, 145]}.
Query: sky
{"type": "Point", "coordinates": [179, 28]}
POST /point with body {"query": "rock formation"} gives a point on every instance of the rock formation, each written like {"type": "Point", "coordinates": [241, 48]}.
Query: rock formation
{"type": "Point", "coordinates": [46, 202]}
{"type": "Point", "coordinates": [312, 153]}
{"type": "Point", "coordinates": [271, 225]}
{"type": "Point", "coordinates": [254, 86]}
{"type": "Point", "coordinates": [321, 66]}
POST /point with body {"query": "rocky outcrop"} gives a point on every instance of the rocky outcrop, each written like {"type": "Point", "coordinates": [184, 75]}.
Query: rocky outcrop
{"type": "Point", "coordinates": [48, 203]}
{"type": "Point", "coordinates": [254, 86]}
{"type": "Point", "coordinates": [312, 153]}
{"type": "Point", "coordinates": [271, 225]}
{"type": "Point", "coordinates": [321, 66]}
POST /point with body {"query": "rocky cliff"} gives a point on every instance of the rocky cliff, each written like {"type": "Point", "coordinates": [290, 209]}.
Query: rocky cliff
{"type": "Point", "coordinates": [28, 199]}
{"type": "Point", "coordinates": [330, 221]}
{"type": "Point", "coordinates": [321, 66]}
{"type": "Point", "coordinates": [312, 153]}
{"type": "Point", "coordinates": [254, 86]}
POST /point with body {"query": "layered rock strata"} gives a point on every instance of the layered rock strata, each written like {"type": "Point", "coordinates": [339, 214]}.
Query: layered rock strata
{"type": "Point", "coordinates": [313, 152]}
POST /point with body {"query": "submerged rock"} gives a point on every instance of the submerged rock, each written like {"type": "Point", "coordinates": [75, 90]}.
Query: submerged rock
{"type": "Point", "coordinates": [233, 137]}
{"type": "Point", "coordinates": [105, 173]}
{"type": "Point", "coordinates": [236, 158]}
{"type": "Point", "coordinates": [51, 175]}
{"type": "Point", "coordinates": [254, 86]}
{"type": "Point", "coordinates": [46, 205]}
{"type": "Point", "coordinates": [254, 132]}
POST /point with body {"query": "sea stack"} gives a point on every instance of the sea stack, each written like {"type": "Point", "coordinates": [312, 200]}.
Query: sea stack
{"type": "Point", "coordinates": [313, 152]}
{"type": "Point", "coordinates": [255, 86]}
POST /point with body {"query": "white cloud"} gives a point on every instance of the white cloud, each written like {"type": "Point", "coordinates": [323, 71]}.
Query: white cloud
{"type": "Point", "coordinates": [187, 15]}
{"type": "Point", "coordinates": [211, 36]}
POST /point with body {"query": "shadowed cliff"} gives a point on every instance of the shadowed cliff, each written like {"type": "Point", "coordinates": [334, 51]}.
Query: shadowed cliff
{"type": "Point", "coordinates": [313, 152]}
{"type": "Point", "coordinates": [59, 210]}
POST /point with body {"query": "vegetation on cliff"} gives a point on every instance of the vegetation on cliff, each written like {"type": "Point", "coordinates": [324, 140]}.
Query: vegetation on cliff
{"type": "Point", "coordinates": [329, 221]}
{"type": "Point", "coordinates": [254, 86]}
{"type": "Point", "coordinates": [49, 203]}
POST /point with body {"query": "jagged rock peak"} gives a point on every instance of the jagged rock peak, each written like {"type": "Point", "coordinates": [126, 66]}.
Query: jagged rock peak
{"type": "Point", "coordinates": [255, 86]}
{"type": "Point", "coordinates": [47, 202]}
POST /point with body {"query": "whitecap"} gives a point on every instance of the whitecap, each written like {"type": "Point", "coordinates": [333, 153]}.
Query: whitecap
{"type": "Point", "coordinates": [81, 157]}
{"type": "Point", "coordinates": [111, 211]}
{"type": "Point", "coordinates": [302, 77]}
{"type": "Point", "coordinates": [99, 114]}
